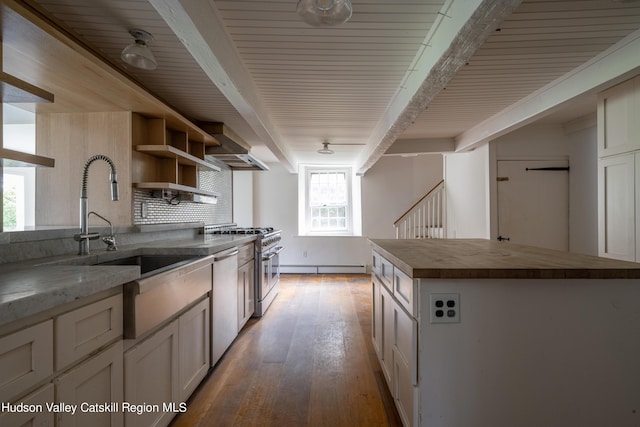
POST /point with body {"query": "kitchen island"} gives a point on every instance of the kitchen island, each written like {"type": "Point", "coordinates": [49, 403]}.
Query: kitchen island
{"type": "Point", "coordinates": [482, 333]}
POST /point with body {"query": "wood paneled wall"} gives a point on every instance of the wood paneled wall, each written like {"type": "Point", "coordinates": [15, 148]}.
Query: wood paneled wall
{"type": "Point", "coordinates": [71, 138]}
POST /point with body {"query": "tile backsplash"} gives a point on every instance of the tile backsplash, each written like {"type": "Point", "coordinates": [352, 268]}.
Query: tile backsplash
{"type": "Point", "coordinates": [160, 211]}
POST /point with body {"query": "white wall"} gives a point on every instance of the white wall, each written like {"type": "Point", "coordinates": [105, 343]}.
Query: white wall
{"type": "Point", "coordinates": [583, 191]}
{"type": "Point", "coordinates": [557, 141]}
{"type": "Point", "coordinates": [467, 191]}
{"type": "Point", "coordinates": [392, 186]}
{"type": "Point", "coordinates": [389, 188]}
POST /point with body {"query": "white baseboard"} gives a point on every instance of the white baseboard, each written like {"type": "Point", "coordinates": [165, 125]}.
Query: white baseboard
{"type": "Point", "coordinates": [323, 269]}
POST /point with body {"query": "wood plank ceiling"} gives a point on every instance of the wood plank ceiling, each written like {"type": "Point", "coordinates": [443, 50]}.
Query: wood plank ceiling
{"type": "Point", "coordinates": [294, 86]}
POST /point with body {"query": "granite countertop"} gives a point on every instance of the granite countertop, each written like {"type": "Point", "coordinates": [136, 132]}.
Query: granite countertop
{"type": "Point", "coordinates": [480, 258]}
{"type": "Point", "coordinates": [35, 286]}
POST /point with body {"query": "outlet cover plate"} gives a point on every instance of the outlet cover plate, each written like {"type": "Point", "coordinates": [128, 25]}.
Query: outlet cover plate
{"type": "Point", "coordinates": [444, 308]}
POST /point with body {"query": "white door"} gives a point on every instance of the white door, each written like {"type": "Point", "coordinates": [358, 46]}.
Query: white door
{"type": "Point", "coordinates": [533, 202]}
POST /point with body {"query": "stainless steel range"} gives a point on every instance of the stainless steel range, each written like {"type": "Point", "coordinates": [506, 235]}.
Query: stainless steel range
{"type": "Point", "coordinates": [267, 261]}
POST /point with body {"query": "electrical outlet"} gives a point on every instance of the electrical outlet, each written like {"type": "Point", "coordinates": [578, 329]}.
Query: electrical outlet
{"type": "Point", "coordinates": [144, 209]}
{"type": "Point", "coordinates": [444, 308]}
{"type": "Point", "coordinates": [304, 254]}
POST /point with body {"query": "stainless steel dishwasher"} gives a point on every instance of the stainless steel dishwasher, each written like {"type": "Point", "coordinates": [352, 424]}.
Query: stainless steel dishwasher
{"type": "Point", "coordinates": [224, 302]}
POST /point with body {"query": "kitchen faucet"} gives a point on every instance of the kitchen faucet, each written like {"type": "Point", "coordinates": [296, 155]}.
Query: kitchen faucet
{"type": "Point", "coordinates": [84, 236]}
{"type": "Point", "coordinates": [110, 240]}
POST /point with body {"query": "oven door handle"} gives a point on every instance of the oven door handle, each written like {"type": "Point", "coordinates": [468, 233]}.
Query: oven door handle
{"type": "Point", "coordinates": [279, 249]}
{"type": "Point", "coordinates": [268, 257]}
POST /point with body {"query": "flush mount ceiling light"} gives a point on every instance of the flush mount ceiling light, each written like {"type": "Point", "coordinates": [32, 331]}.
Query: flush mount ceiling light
{"type": "Point", "coordinates": [325, 149]}
{"type": "Point", "coordinates": [324, 13]}
{"type": "Point", "coordinates": [138, 54]}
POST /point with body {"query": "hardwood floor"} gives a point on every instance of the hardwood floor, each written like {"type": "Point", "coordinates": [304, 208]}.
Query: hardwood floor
{"type": "Point", "coordinates": [308, 362]}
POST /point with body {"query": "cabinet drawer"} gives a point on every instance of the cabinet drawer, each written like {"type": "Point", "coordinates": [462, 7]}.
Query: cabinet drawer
{"type": "Point", "coordinates": [375, 263]}
{"type": "Point", "coordinates": [404, 289]}
{"type": "Point", "coordinates": [82, 331]}
{"type": "Point", "coordinates": [386, 273]}
{"type": "Point", "coordinates": [245, 254]}
{"type": "Point", "coordinates": [26, 357]}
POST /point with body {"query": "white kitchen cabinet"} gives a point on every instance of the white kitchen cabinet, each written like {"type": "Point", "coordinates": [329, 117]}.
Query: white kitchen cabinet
{"type": "Point", "coordinates": [376, 315]}
{"type": "Point", "coordinates": [617, 206]}
{"type": "Point", "coordinates": [619, 171]}
{"type": "Point", "coordinates": [151, 376]}
{"type": "Point", "coordinates": [95, 382]}
{"type": "Point", "coordinates": [246, 291]}
{"type": "Point", "coordinates": [84, 330]}
{"type": "Point", "coordinates": [405, 290]}
{"type": "Point", "coordinates": [395, 336]}
{"type": "Point", "coordinates": [41, 396]}
{"type": "Point", "coordinates": [164, 368]}
{"type": "Point", "coordinates": [618, 124]}
{"type": "Point", "coordinates": [26, 358]}
{"type": "Point", "coordinates": [388, 335]}
{"type": "Point", "coordinates": [405, 365]}
{"type": "Point", "coordinates": [194, 338]}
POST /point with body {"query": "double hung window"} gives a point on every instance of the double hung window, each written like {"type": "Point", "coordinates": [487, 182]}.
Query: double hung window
{"type": "Point", "coordinates": [328, 207]}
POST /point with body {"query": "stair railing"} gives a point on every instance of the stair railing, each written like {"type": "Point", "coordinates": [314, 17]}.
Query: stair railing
{"type": "Point", "coordinates": [426, 219]}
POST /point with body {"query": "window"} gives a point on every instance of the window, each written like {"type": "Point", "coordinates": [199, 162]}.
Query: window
{"type": "Point", "coordinates": [327, 201]}
{"type": "Point", "coordinates": [18, 183]}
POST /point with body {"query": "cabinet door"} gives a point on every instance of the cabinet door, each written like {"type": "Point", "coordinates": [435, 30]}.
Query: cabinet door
{"type": "Point", "coordinates": [42, 396]}
{"type": "Point", "coordinates": [98, 381]}
{"type": "Point", "coordinates": [26, 358]}
{"type": "Point", "coordinates": [618, 125]}
{"type": "Point", "coordinates": [388, 336]}
{"type": "Point", "coordinates": [246, 303]}
{"type": "Point", "coordinates": [151, 377]}
{"type": "Point", "coordinates": [616, 207]}
{"type": "Point", "coordinates": [405, 364]}
{"type": "Point", "coordinates": [376, 316]}
{"type": "Point", "coordinates": [194, 347]}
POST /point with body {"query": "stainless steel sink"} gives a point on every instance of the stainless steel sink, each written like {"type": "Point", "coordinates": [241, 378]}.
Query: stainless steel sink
{"type": "Point", "coordinates": [152, 263]}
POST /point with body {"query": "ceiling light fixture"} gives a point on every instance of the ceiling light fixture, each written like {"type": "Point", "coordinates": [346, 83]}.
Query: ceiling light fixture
{"type": "Point", "coordinates": [324, 13]}
{"type": "Point", "coordinates": [325, 149]}
{"type": "Point", "coordinates": [138, 54]}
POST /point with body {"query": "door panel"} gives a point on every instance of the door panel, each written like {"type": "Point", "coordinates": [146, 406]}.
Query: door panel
{"type": "Point", "coordinates": [533, 202]}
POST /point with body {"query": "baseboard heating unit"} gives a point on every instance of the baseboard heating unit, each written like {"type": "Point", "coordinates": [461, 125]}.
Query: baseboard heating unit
{"type": "Point", "coordinates": [323, 269]}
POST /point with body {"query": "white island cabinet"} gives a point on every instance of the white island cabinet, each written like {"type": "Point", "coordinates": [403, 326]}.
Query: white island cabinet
{"type": "Point", "coordinates": [73, 359]}
{"type": "Point", "coordinates": [480, 333]}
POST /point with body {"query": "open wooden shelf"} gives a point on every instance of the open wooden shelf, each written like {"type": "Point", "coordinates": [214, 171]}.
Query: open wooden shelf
{"type": "Point", "coordinates": [173, 187]}
{"type": "Point", "coordinates": [12, 158]}
{"type": "Point", "coordinates": [14, 90]}
{"type": "Point", "coordinates": [171, 152]}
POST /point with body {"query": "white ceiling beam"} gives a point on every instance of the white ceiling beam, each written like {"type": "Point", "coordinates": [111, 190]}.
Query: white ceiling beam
{"type": "Point", "coordinates": [462, 27]}
{"type": "Point", "coordinates": [613, 66]}
{"type": "Point", "coordinates": [199, 27]}
{"type": "Point", "coordinates": [403, 147]}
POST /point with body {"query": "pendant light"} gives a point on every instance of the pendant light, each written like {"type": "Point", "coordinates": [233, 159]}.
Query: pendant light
{"type": "Point", "coordinates": [138, 54]}
{"type": "Point", "coordinates": [325, 149]}
{"type": "Point", "coordinates": [324, 13]}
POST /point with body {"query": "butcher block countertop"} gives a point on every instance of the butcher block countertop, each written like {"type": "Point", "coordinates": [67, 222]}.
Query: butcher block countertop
{"type": "Point", "coordinates": [480, 258]}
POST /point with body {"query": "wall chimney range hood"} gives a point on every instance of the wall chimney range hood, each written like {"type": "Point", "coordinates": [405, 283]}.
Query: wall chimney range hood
{"type": "Point", "coordinates": [232, 150]}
